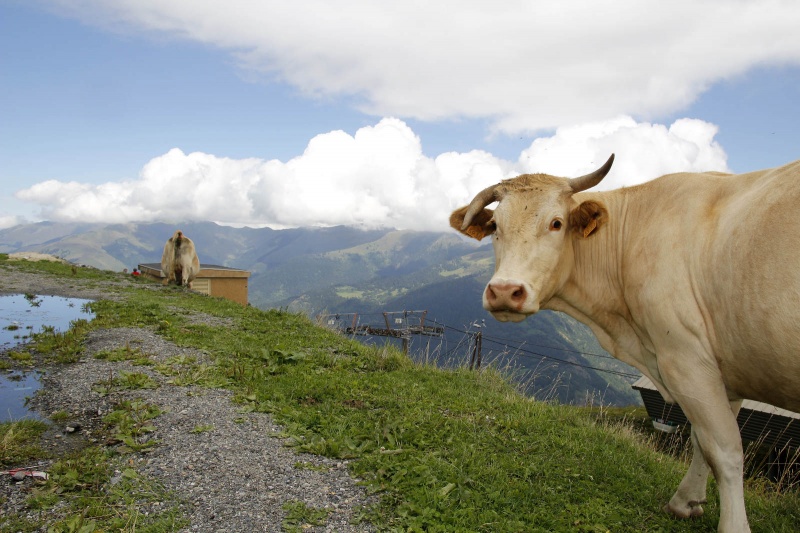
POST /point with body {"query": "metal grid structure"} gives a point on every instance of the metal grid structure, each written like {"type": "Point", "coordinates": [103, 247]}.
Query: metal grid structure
{"type": "Point", "coordinates": [396, 324]}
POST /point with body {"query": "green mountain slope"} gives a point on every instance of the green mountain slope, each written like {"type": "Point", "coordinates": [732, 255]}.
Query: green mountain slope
{"type": "Point", "coordinates": [372, 273]}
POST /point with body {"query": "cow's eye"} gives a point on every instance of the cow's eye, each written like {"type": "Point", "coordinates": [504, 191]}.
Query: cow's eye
{"type": "Point", "coordinates": [555, 224]}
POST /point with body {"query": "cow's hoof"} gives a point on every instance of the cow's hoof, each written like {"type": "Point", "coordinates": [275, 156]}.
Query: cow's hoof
{"type": "Point", "coordinates": [692, 509]}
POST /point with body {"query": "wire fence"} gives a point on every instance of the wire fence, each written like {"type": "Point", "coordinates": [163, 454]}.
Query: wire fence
{"type": "Point", "coordinates": [467, 341]}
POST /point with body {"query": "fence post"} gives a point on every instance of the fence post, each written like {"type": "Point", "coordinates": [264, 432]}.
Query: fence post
{"type": "Point", "coordinates": [475, 359]}
{"type": "Point", "coordinates": [478, 340]}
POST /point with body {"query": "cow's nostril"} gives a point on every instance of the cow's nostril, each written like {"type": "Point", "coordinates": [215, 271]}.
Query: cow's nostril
{"type": "Point", "coordinates": [490, 294]}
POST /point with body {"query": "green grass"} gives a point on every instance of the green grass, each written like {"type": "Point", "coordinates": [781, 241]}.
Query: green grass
{"type": "Point", "coordinates": [59, 416]}
{"type": "Point", "coordinates": [299, 516]}
{"type": "Point", "coordinates": [82, 482]}
{"type": "Point", "coordinates": [124, 381]}
{"type": "Point", "coordinates": [97, 500]}
{"type": "Point", "coordinates": [131, 424]}
{"type": "Point", "coordinates": [443, 450]}
{"type": "Point", "coordinates": [60, 270]}
{"type": "Point", "coordinates": [451, 450]}
{"type": "Point", "coordinates": [21, 358]}
{"type": "Point", "coordinates": [123, 353]}
{"type": "Point", "coordinates": [19, 442]}
{"type": "Point", "coordinates": [58, 347]}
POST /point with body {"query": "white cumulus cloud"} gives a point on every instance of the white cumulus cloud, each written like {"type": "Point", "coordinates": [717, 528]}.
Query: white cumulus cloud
{"type": "Point", "coordinates": [377, 177]}
{"type": "Point", "coordinates": [524, 65]}
{"type": "Point", "coordinates": [643, 151]}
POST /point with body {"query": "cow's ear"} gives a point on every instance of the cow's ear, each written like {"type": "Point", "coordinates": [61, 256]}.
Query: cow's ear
{"type": "Point", "coordinates": [587, 218]}
{"type": "Point", "coordinates": [479, 227]}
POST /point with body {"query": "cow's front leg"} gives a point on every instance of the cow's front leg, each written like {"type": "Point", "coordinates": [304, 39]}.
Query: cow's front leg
{"type": "Point", "coordinates": [715, 432]}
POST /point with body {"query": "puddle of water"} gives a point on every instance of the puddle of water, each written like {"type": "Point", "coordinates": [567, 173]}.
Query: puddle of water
{"type": "Point", "coordinates": [14, 388]}
{"type": "Point", "coordinates": [20, 317]}
{"type": "Point", "coordinates": [23, 315]}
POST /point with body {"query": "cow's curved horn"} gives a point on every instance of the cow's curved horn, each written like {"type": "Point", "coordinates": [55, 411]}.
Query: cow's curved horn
{"type": "Point", "coordinates": [590, 180]}
{"type": "Point", "coordinates": [481, 200]}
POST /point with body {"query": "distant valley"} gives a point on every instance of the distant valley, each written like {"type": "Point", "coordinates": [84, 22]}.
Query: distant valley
{"type": "Point", "coordinates": [349, 270]}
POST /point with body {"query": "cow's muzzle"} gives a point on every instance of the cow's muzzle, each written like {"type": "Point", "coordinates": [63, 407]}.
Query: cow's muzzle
{"type": "Point", "coordinates": [508, 300]}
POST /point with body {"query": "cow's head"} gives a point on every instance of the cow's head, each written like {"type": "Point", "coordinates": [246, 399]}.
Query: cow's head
{"type": "Point", "coordinates": [532, 228]}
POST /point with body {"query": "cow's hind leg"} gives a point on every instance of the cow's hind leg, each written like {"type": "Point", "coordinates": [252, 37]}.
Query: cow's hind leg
{"type": "Point", "coordinates": [716, 435]}
{"type": "Point", "coordinates": [691, 494]}
{"type": "Point", "coordinates": [688, 500]}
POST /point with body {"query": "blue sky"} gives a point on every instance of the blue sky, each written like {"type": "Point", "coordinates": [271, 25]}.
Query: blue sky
{"type": "Point", "coordinates": [129, 111]}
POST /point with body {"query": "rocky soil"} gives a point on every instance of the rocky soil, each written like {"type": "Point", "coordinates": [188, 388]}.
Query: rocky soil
{"type": "Point", "coordinates": [233, 475]}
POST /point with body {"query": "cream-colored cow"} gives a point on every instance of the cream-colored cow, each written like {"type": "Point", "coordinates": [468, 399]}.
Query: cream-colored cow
{"type": "Point", "coordinates": [179, 262]}
{"type": "Point", "coordinates": [694, 279]}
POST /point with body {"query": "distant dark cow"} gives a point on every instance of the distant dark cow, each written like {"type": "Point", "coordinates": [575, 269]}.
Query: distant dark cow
{"type": "Point", "coordinates": [179, 261]}
{"type": "Point", "coordinates": [694, 279]}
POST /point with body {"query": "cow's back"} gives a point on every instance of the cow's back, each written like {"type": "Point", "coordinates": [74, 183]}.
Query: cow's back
{"type": "Point", "coordinates": [186, 257]}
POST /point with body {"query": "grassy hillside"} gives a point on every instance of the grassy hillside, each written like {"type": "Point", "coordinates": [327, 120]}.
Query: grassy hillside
{"type": "Point", "coordinates": [533, 350]}
{"type": "Point", "coordinates": [444, 450]}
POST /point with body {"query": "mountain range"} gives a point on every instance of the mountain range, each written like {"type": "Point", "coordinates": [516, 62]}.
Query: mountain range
{"type": "Point", "coordinates": [348, 273]}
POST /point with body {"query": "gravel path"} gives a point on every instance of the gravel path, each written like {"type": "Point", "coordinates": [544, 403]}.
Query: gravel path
{"type": "Point", "coordinates": [233, 476]}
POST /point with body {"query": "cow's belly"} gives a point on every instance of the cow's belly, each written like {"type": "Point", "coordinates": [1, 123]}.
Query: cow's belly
{"type": "Point", "coordinates": [758, 345]}
{"type": "Point", "coordinates": [762, 362]}
{"type": "Point", "coordinates": [755, 346]}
